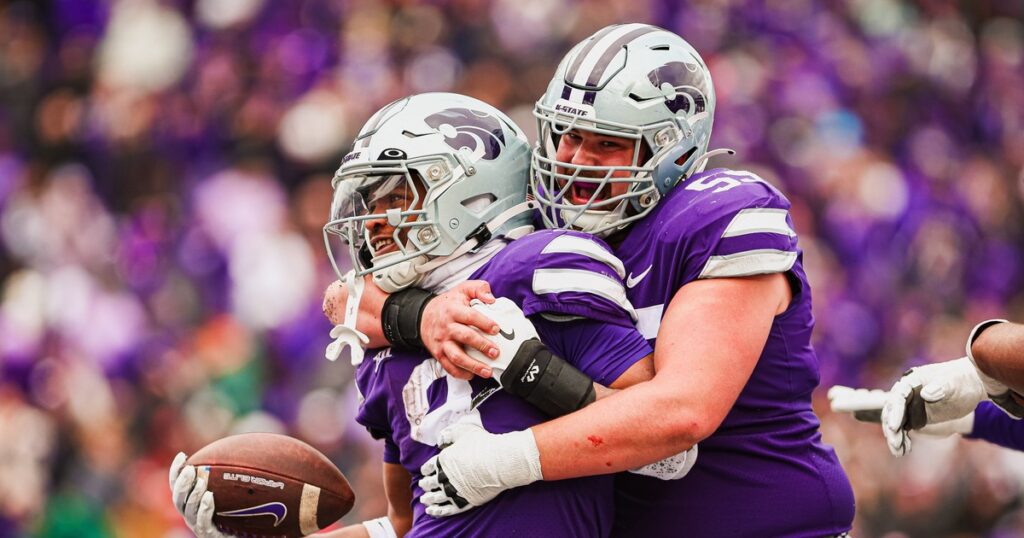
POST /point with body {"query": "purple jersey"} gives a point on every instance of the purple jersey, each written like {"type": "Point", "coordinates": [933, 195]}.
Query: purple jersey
{"type": "Point", "coordinates": [765, 471]}
{"type": "Point", "coordinates": [407, 398]}
{"type": "Point", "coordinates": [992, 424]}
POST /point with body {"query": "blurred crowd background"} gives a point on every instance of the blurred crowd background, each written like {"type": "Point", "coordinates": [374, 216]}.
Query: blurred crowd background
{"type": "Point", "coordinates": [164, 175]}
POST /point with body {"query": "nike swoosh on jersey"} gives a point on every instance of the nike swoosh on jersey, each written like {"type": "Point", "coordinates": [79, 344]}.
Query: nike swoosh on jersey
{"type": "Point", "coordinates": [511, 335]}
{"type": "Point", "coordinates": [632, 281]}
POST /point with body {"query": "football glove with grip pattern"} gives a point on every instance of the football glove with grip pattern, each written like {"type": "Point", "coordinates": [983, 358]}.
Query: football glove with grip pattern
{"type": "Point", "coordinates": [942, 392]}
{"type": "Point", "coordinates": [191, 499]}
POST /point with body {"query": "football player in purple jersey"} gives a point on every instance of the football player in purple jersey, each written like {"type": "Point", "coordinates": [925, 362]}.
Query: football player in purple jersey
{"type": "Point", "coordinates": [977, 396]}
{"type": "Point", "coordinates": [434, 193]}
{"type": "Point", "coordinates": [715, 273]}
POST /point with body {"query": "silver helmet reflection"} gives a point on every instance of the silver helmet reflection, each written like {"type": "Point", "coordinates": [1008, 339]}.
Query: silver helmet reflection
{"type": "Point", "coordinates": [429, 178]}
{"type": "Point", "coordinates": [636, 82]}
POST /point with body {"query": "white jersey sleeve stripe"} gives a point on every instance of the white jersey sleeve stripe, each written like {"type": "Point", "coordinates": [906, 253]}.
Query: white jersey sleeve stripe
{"type": "Point", "coordinates": [571, 244]}
{"type": "Point", "coordinates": [580, 281]}
{"type": "Point", "coordinates": [761, 220]}
{"type": "Point", "coordinates": [751, 262]}
{"type": "Point", "coordinates": [649, 320]}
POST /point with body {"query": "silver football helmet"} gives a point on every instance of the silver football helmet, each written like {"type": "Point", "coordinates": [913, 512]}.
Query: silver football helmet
{"type": "Point", "coordinates": [637, 82]}
{"type": "Point", "coordinates": [429, 178]}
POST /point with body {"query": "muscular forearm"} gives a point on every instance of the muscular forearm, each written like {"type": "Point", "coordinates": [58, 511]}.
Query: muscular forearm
{"type": "Point", "coordinates": [616, 433]}
{"type": "Point", "coordinates": [701, 371]}
{"type": "Point", "coordinates": [999, 353]}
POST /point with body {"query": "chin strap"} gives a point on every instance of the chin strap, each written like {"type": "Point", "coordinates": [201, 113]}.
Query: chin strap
{"type": "Point", "coordinates": [346, 334]}
{"type": "Point", "coordinates": [480, 236]}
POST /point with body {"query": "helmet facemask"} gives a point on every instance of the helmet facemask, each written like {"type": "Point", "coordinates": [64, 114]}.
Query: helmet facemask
{"type": "Point", "coordinates": [378, 214]}
{"type": "Point", "coordinates": [557, 184]}
{"type": "Point", "coordinates": [632, 81]}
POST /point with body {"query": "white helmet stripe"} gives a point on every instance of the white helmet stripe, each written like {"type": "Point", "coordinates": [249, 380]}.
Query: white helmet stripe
{"type": "Point", "coordinates": [570, 74]}
{"type": "Point", "coordinates": [592, 54]}
{"type": "Point", "coordinates": [606, 58]}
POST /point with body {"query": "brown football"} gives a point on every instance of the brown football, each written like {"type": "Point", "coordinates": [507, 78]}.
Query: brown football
{"type": "Point", "coordinates": [266, 484]}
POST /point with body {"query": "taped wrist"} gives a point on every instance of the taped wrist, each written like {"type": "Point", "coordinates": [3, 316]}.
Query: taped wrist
{"type": "Point", "coordinates": [380, 528]}
{"type": "Point", "coordinates": [400, 319]}
{"type": "Point", "coordinates": [547, 381]}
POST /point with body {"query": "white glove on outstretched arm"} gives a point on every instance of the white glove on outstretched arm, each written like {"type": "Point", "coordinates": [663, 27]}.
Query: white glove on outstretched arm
{"type": "Point", "coordinates": [475, 467]}
{"type": "Point", "coordinates": [866, 406]}
{"type": "Point", "coordinates": [929, 394]}
{"type": "Point", "coordinates": [191, 499]}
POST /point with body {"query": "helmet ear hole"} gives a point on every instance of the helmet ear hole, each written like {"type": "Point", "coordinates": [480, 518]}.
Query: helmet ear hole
{"type": "Point", "coordinates": [479, 203]}
{"type": "Point", "coordinates": [686, 156]}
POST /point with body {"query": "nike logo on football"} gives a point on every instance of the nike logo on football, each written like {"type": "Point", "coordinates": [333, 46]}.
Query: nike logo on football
{"type": "Point", "coordinates": [511, 335]}
{"type": "Point", "coordinates": [632, 281]}
{"type": "Point", "coordinates": [276, 509]}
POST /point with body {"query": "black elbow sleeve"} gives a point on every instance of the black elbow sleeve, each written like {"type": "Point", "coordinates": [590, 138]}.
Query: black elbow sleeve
{"type": "Point", "coordinates": [547, 381]}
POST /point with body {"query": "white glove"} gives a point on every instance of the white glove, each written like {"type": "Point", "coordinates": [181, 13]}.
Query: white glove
{"type": "Point", "coordinates": [514, 329]}
{"type": "Point", "coordinates": [959, 426]}
{"type": "Point", "coordinates": [475, 467]}
{"type": "Point", "coordinates": [191, 499]}
{"type": "Point", "coordinates": [866, 406]}
{"type": "Point", "coordinates": [929, 394]}
{"type": "Point", "coordinates": [672, 467]}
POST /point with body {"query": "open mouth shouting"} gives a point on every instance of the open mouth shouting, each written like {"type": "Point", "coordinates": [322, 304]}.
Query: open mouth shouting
{"type": "Point", "coordinates": [581, 192]}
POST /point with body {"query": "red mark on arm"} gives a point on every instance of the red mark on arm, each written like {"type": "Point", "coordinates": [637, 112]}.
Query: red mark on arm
{"type": "Point", "coordinates": [595, 440]}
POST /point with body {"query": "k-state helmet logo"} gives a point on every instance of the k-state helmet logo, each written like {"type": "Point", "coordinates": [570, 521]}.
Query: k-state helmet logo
{"type": "Point", "coordinates": [479, 132]}
{"type": "Point", "coordinates": [689, 83]}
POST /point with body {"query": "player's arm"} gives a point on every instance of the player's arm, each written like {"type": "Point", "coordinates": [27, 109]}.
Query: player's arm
{"type": "Point", "coordinates": [711, 336]}
{"type": "Point", "coordinates": [701, 369]}
{"type": "Point", "coordinates": [442, 324]}
{"type": "Point", "coordinates": [998, 352]}
{"type": "Point", "coordinates": [949, 390]}
{"type": "Point", "coordinates": [399, 519]}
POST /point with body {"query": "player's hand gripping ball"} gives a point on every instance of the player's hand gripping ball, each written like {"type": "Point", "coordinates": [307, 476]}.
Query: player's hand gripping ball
{"type": "Point", "coordinates": [259, 484]}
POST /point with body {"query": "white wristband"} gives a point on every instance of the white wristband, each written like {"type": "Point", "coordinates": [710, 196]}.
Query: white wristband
{"type": "Point", "coordinates": [380, 528]}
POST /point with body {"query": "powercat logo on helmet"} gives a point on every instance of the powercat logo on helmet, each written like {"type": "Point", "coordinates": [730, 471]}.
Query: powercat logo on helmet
{"type": "Point", "coordinates": [690, 85]}
{"type": "Point", "coordinates": [478, 132]}
{"type": "Point", "coordinates": [574, 109]}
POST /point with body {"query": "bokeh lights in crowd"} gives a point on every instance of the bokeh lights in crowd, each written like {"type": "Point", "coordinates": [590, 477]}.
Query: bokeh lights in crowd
{"type": "Point", "coordinates": [164, 174]}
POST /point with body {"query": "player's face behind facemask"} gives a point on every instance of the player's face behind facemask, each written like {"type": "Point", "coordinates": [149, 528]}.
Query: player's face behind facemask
{"type": "Point", "coordinates": [602, 175]}
{"type": "Point", "coordinates": [430, 178]}
{"type": "Point", "coordinates": [374, 216]}
{"type": "Point", "coordinates": [631, 84]}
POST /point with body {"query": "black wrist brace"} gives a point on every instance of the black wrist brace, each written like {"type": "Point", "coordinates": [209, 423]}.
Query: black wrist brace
{"type": "Point", "coordinates": [401, 316]}
{"type": "Point", "coordinates": [547, 381]}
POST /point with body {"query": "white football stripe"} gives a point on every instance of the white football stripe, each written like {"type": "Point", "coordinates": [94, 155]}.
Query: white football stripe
{"type": "Point", "coordinates": [761, 220]}
{"type": "Point", "coordinates": [751, 262]}
{"type": "Point", "coordinates": [649, 320]}
{"type": "Point", "coordinates": [564, 280]}
{"type": "Point", "coordinates": [571, 244]}
{"type": "Point", "coordinates": [307, 509]}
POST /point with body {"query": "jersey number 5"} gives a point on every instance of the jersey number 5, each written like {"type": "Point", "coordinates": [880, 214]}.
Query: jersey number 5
{"type": "Point", "coordinates": [722, 182]}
